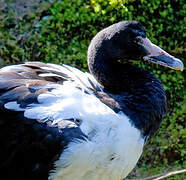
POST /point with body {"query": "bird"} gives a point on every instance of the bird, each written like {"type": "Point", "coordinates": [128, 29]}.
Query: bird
{"type": "Point", "coordinates": [59, 123]}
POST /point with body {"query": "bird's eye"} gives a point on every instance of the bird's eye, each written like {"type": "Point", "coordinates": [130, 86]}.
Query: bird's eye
{"type": "Point", "coordinates": [78, 121]}
{"type": "Point", "coordinates": [139, 40]}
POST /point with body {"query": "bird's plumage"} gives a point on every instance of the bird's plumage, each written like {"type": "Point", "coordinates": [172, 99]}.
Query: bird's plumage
{"type": "Point", "coordinates": [51, 104]}
{"type": "Point", "coordinates": [59, 123]}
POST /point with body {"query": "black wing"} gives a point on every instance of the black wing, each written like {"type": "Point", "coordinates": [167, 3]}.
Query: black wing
{"type": "Point", "coordinates": [29, 147]}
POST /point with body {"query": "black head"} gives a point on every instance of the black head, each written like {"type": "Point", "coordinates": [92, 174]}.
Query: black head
{"type": "Point", "coordinates": [126, 41]}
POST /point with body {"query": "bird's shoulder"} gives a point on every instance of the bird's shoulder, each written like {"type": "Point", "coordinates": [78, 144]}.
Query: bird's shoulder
{"type": "Point", "coordinates": [24, 83]}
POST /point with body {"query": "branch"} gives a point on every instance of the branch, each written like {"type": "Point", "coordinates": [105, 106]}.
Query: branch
{"type": "Point", "coordinates": [163, 175]}
{"type": "Point", "coordinates": [170, 174]}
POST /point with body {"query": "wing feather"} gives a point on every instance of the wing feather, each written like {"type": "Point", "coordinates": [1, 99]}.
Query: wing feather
{"type": "Point", "coordinates": [35, 141]}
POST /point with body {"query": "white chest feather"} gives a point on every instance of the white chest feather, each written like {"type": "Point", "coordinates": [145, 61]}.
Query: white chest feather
{"type": "Point", "coordinates": [110, 155]}
{"type": "Point", "coordinates": [111, 151]}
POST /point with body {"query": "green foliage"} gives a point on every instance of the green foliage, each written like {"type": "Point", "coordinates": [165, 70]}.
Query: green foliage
{"type": "Point", "coordinates": [60, 32]}
{"type": "Point", "coordinates": [9, 49]}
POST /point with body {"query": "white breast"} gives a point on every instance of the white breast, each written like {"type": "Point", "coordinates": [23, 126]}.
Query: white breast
{"type": "Point", "coordinates": [112, 149]}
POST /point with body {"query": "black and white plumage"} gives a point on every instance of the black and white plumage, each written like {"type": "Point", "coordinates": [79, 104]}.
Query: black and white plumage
{"type": "Point", "coordinates": [59, 123]}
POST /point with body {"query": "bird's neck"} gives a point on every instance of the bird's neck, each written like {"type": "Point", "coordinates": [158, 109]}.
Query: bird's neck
{"type": "Point", "coordinates": [105, 70]}
{"type": "Point", "coordinates": [139, 93]}
{"type": "Point", "coordinates": [114, 76]}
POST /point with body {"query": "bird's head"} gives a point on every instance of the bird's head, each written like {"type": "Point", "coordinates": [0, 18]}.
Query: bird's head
{"type": "Point", "coordinates": [126, 41]}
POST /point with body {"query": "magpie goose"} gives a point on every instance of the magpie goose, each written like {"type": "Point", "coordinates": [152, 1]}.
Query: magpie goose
{"type": "Point", "coordinates": [59, 123]}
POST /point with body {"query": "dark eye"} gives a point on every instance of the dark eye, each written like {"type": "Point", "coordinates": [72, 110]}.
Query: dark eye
{"type": "Point", "coordinates": [78, 121]}
{"type": "Point", "coordinates": [139, 40]}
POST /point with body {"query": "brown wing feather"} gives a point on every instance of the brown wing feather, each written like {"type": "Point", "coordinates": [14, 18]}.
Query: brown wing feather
{"type": "Point", "coordinates": [23, 83]}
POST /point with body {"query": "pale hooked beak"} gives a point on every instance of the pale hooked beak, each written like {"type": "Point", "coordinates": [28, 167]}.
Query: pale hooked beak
{"type": "Point", "coordinates": [159, 56]}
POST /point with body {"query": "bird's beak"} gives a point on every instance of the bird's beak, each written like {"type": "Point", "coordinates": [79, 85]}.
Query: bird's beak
{"type": "Point", "coordinates": [158, 56]}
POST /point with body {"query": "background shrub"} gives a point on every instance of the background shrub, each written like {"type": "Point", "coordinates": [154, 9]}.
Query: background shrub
{"type": "Point", "coordinates": [60, 32]}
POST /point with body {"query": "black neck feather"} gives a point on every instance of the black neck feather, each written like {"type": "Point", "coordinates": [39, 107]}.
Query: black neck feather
{"type": "Point", "coordinates": [139, 93]}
